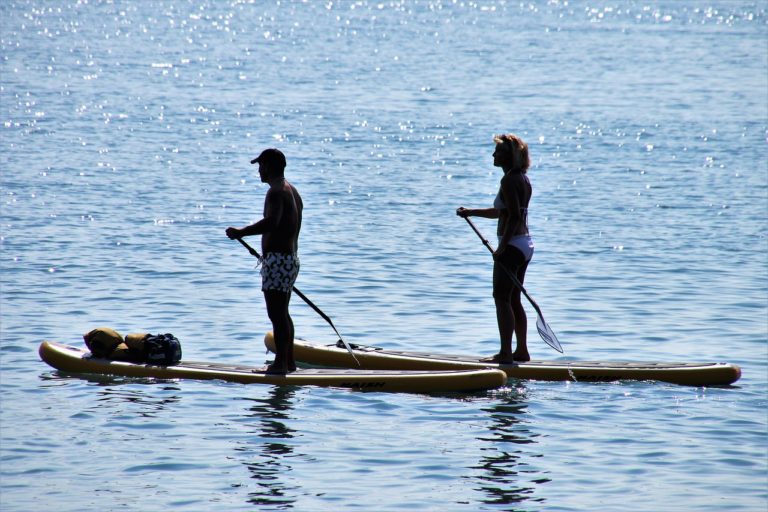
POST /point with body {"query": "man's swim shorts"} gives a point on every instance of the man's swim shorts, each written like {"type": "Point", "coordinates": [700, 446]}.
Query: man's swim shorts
{"type": "Point", "coordinates": [279, 271]}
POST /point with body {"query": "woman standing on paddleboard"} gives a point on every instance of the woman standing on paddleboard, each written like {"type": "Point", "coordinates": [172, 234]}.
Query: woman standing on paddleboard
{"type": "Point", "coordinates": [515, 248]}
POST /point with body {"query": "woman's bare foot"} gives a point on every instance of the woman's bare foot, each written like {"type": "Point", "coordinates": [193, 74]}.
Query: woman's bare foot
{"type": "Point", "coordinates": [521, 357]}
{"type": "Point", "coordinates": [507, 358]}
{"type": "Point", "coordinates": [499, 359]}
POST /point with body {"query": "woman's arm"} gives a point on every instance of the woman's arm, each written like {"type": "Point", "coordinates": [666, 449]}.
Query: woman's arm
{"type": "Point", "coordinates": [488, 213]}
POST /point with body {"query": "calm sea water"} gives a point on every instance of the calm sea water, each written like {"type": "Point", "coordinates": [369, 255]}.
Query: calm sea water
{"type": "Point", "coordinates": [127, 128]}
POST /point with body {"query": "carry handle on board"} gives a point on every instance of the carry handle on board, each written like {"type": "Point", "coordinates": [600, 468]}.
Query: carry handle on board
{"type": "Point", "coordinates": [309, 302]}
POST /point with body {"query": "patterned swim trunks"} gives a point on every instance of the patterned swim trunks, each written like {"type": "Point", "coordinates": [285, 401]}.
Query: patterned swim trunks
{"type": "Point", "coordinates": [279, 271]}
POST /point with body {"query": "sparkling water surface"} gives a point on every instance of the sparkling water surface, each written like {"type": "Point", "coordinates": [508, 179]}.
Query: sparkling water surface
{"type": "Point", "coordinates": [127, 128]}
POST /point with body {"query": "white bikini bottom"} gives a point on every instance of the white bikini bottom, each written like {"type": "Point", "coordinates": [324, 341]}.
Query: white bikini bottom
{"type": "Point", "coordinates": [524, 244]}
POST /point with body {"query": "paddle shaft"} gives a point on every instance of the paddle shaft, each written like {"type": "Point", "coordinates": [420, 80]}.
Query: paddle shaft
{"type": "Point", "coordinates": [305, 299]}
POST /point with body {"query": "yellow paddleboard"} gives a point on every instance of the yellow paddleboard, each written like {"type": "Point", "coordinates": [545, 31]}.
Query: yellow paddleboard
{"type": "Point", "coordinates": [75, 360]}
{"type": "Point", "coordinates": [375, 358]}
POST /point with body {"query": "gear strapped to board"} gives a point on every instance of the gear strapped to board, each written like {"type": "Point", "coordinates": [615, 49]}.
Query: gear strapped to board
{"type": "Point", "coordinates": [155, 349]}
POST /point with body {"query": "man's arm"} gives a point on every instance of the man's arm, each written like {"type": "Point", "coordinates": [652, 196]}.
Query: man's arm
{"type": "Point", "coordinates": [273, 212]}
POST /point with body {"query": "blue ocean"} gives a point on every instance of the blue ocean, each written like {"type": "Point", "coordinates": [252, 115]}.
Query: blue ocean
{"type": "Point", "coordinates": [127, 131]}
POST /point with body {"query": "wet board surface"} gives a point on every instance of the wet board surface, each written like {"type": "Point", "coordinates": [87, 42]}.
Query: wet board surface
{"type": "Point", "coordinates": [690, 374]}
{"type": "Point", "coordinates": [75, 360]}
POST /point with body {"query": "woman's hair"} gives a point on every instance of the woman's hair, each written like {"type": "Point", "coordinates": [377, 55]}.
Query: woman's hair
{"type": "Point", "coordinates": [515, 152]}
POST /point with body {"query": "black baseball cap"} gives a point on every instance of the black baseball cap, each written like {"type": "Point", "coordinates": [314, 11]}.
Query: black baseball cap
{"type": "Point", "coordinates": [272, 157]}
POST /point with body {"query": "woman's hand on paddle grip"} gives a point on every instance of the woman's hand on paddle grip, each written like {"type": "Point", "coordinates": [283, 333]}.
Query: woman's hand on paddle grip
{"type": "Point", "coordinates": [233, 233]}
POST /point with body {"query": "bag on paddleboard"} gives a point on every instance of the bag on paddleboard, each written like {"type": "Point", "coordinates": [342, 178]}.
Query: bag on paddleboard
{"type": "Point", "coordinates": [102, 341]}
{"type": "Point", "coordinates": [157, 349]}
{"type": "Point", "coordinates": [162, 349]}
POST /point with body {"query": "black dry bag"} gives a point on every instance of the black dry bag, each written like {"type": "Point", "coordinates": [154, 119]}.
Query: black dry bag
{"type": "Point", "coordinates": [162, 349]}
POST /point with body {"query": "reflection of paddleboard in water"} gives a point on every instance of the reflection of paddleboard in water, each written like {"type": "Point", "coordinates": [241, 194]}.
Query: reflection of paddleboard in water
{"type": "Point", "coordinates": [75, 360]}
{"type": "Point", "coordinates": [375, 358]}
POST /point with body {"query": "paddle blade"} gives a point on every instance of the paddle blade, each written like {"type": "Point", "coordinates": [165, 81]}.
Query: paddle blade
{"type": "Point", "coordinates": [547, 334]}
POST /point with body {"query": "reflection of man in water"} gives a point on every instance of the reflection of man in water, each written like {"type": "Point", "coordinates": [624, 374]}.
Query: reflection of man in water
{"type": "Point", "coordinates": [279, 244]}
{"type": "Point", "coordinates": [269, 460]}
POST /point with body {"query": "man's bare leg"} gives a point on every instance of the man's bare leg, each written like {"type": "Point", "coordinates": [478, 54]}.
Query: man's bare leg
{"type": "Point", "coordinates": [283, 330]}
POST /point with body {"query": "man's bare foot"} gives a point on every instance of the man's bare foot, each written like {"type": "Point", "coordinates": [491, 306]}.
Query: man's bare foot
{"type": "Point", "coordinates": [274, 369]}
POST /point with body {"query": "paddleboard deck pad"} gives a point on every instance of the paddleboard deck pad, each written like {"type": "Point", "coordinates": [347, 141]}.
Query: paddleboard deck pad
{"type": "Point", "coordinates": [75, 360]}
{"type": "Point", "coordinates": [376, 358]}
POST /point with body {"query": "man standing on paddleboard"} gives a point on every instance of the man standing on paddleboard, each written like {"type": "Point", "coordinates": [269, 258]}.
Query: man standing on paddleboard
{"type": "Point", "coordinates": [279, 230]}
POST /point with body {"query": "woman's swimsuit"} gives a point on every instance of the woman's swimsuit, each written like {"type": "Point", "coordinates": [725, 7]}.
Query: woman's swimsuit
{"type": "Point", "coordinates": [523, 243]}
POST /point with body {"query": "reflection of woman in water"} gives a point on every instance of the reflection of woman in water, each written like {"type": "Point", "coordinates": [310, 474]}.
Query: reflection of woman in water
{"type": "Point", "coordinates": [507, 476]}
{"type": "Point", "coordinates": [515, 248]}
